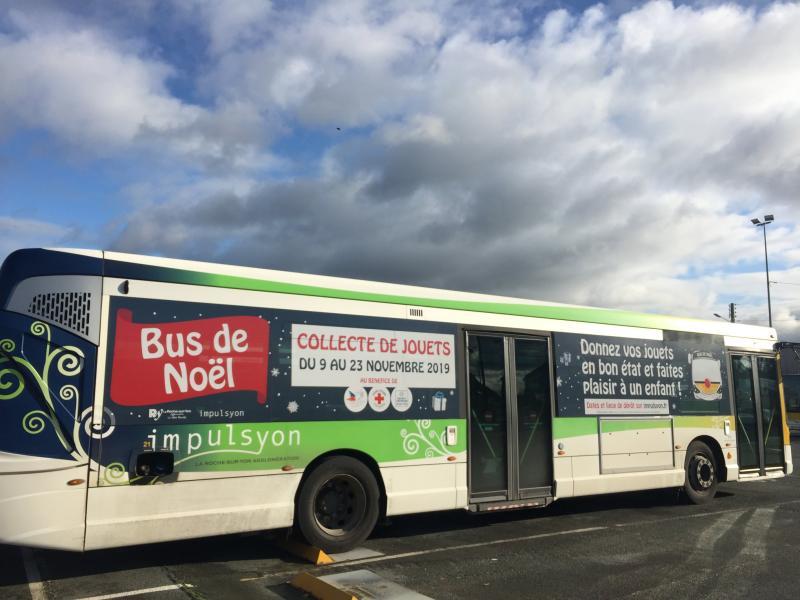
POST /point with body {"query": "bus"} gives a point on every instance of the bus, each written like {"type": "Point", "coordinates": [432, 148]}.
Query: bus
{"type": "Point", "coordinates": [145, 399]}
{"type": "Point", "coordinates": [790, 372]}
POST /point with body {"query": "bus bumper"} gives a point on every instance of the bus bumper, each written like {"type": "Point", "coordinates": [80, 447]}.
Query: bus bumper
{"type": "Point", "coordinates": [42, 502]}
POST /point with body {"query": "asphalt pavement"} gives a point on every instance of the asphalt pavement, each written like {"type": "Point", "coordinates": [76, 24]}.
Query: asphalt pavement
{"type": "Point", "coordinates": [638, 545]}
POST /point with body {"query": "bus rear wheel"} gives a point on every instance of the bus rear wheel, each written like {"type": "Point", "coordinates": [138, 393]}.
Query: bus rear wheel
{"type": "Point", "coordinates": [701, 473]}
{"type": "Point", "coordinates": [338, 504]}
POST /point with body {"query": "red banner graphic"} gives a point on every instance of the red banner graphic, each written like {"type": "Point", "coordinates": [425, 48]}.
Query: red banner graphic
{"type": "Point", "coordinates": [156, 363]}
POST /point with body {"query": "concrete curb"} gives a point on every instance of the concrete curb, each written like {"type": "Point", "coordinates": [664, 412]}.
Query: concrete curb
{"type": "Point", "coordinates": [322, 590]}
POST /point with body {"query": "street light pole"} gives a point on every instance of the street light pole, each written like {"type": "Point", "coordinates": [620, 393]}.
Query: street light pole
{"type": "Point", "coordinates": [763, 224]}
{"type": "Point", "coordinates": [766, 266]}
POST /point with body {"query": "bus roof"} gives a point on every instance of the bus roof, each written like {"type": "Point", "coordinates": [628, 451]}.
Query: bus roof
{"type": "Point", "coordinates": [67, 261]}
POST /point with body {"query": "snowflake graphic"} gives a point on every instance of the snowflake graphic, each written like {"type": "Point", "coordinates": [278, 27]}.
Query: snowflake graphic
{"type": "Point", "coordinates": [275, 372]}
{"type": "Point", "coordinates": [292, 407]}
{"type": "Point", "coordinates": [558, 382]}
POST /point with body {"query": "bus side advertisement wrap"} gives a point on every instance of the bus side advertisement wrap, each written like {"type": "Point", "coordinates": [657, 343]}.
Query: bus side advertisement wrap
{"type": "Point", "coordinates": [157, 363]}
{"type": "Point", "coordinates": [685, 374]}
{"type": "Point", "coordinates": [241, 388]}
{"type": "Point", "coordinates": [46, 384]}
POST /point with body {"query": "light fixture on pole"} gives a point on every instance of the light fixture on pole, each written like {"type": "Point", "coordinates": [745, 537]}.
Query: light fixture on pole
{"type": "Point", "coordinates": [763, 224]}
{"type": "Point", "coordinates": [731, 314]}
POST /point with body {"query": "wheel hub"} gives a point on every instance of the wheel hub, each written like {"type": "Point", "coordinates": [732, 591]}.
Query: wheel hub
{"type": "Point", "coordinates": [339, 504]}
{"type": "Point", "coordinates": [704, 472]}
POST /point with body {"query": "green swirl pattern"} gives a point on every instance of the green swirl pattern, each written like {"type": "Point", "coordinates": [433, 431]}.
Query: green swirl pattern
{"type": "Point", "coordinates": [15, 370]}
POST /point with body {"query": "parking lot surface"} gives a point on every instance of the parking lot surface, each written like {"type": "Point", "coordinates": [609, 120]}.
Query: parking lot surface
{"type": "Point", "coordinates": [638, 545]}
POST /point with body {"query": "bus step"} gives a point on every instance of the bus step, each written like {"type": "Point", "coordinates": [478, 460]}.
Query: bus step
{"type": "Point", "coordinates": [512, 504]}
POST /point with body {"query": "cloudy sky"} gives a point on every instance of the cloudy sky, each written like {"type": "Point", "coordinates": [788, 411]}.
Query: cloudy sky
{"type": "Point", "coordinates": [604, 154]}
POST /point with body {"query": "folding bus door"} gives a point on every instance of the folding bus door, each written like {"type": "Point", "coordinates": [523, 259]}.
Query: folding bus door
{"type": "Point", "coordinates": [510, 445]}
{"type": "Point", "coordinates": [758, 412]}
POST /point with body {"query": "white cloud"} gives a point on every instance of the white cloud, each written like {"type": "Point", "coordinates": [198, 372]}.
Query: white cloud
{"type": "Point", "coordinates": [107, 95]}
{"type": "Point", "coordinates": [80, 87]}
{"type": "Point", "coordinates": [293, 82]}
{"type": "Point", "coordinates": [608, 159]}
{"type": "Point", "coordinates": [344, 64]}
{"type": "Point", "coordinates": [233, 22]}
{"type": "Point", "coordinates": [416, 128]}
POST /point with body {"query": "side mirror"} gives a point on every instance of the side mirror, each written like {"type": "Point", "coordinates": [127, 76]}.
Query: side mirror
{"type": "Point", "coordinates": [155, 464]}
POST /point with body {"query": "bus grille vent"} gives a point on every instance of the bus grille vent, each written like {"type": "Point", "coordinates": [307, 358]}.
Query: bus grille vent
{"type": "Point", "coordinates": [414, 312]}
{"type": "Point", "coordinates": [68, 309]}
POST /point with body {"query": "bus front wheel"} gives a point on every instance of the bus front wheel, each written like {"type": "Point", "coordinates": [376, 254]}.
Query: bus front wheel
{"type": "Point", "coordinates": [701, 473]}
{"type": "Point", "coordinates": [338, 504]}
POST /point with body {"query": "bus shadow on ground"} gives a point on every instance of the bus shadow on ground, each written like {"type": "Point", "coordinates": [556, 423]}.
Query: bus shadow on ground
{"type": "Point", "coordinates": [451, 521]}
{"type": "Point", "coordinates": [57, 565]}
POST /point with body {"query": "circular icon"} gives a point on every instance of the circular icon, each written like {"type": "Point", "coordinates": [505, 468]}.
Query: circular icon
{"type": "Point", "coordinates": [402, 399]}
{"type": "Point", "coordinates": [355, 399]}
{"type": "Point", "coordinates": [106, 427]}
{"type": "Point", "coordinates": [379, 399]}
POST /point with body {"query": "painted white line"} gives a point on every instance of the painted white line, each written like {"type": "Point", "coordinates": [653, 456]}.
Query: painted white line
{"type": "Point", "coordinates": [35, 584]}
{"type": "Point", "coordinates": [161, 588]}
{"type": "Point", "coordinates": [348, 563]}
{"type": "Point", "coordinates": [698, 515]}
{"type": "Point", "coordinates": [710, 536]}
{"type": "Point", "coordinates": [363, 561]}
{"type": "Point", "coordinates": [523, 538]}
{"type": "Point", "coordinates": [755, 533]}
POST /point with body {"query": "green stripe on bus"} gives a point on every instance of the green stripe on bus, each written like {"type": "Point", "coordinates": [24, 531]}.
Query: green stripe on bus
{"type": "Point", "coordinates": [269, 446]}
{"type": "Point", "coordinates": [567, 427]}
{"type": "Point", "coordinates": [567, 313]}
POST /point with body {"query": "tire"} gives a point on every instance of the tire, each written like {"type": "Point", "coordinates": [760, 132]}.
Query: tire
{"type": "Point", "coordinates": [338, 504]}
{"type": "Point", "coordinates": [702, 473]}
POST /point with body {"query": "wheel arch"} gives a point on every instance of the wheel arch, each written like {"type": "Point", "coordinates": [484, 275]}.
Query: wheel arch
{"type": "Point", "coordinates": [362, 457]}
{"type": "Point", "coordinates": [715, 447]}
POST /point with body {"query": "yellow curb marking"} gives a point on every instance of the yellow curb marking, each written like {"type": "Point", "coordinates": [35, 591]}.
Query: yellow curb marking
{"type": "Point", "coordinates": [310, 553]}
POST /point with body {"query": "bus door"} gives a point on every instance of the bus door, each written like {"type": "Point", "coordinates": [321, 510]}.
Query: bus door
{"type": "Point", "coordinates": [510, 442]}
{"type": "Point", "coordinates": [759, 425]}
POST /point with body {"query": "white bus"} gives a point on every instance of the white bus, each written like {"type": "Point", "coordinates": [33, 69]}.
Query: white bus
{"type": "Point", "coordinates": [145, 399]}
